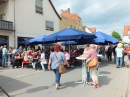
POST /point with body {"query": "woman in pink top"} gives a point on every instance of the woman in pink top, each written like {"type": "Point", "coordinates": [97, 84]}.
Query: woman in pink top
{"type": "Point", "coordinates": [91, 54]}
{"type": "Point", "coordinates": [67, 55]}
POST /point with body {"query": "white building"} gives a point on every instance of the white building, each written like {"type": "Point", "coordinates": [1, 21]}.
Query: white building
{"type": "Point", "coordinates": [23, 19]}
{"type": "Point", "coordinates": [126, 34]}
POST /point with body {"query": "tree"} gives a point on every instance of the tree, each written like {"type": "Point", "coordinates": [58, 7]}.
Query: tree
{"type": "Point", "coordinates": [116, 35]}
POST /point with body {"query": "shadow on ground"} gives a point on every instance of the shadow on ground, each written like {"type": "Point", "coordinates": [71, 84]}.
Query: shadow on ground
{"type": "Point", "coordinates": [37, 89]}
{"type": "Point", "coordinates": [11, 85]}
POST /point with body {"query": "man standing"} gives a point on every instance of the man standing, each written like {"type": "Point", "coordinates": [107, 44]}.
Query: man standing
{"type": "Point", "coordinates": [4, 56]}
{"type": "Point", "coordinates": [119, 53]}
{"type": "Point", "coordinates": [109, 53]}
{"type": "Point", "coordinates": [1, 55]}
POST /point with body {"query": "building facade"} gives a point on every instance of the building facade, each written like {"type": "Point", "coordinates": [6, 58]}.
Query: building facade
{"type": "Point", "coordinates": [21, 20]}
{"type": "Point", "coordinates": [126, 34]}
{"type": "Point", "coordinates": [70, 20]}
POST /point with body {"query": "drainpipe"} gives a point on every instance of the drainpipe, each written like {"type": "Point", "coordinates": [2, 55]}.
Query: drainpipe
{"type": "Point", "coordinates": [14, 27]}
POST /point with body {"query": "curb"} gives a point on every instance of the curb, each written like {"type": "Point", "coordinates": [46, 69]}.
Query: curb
{"type": "Point", "coordinates": [128, 86]}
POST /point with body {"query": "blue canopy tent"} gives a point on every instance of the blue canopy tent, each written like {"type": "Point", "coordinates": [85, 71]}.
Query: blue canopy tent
{"type": "Point", "coordinates": [107, 38]}
{"type": "Point", "coordinates": [39, 39]}
{"type": "Point", "coordinates": [69, 34]}
{"type": "Point", "coordinates": [68, 42]}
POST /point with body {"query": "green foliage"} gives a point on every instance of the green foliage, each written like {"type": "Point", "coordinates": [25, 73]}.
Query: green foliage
{"type": "Point", "coordinates": [116, 35]}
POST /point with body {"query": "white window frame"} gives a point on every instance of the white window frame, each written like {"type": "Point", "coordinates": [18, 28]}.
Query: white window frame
{"type": "Point", "coordinates": [49, 27]}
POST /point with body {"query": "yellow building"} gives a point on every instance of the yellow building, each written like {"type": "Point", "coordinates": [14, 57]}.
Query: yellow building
{"type": "Point", "coordinates": [70, 20]}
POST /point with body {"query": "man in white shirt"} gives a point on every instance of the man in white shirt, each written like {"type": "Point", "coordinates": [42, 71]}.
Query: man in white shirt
{"type": "Point", "coordinates": [119, 54]}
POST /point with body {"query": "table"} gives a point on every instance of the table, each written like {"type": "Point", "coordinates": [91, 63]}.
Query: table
{"type": "Point", "coordinates": [84, 70]}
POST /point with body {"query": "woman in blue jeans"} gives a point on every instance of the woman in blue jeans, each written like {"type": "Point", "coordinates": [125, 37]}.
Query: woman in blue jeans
{"type": "Point", "coordinates": [53, 63]}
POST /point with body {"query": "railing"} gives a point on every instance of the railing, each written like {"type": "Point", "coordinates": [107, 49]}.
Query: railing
{"type": "Point", "coordinates": [6, 25]}
{"type": "Point", "coordinates": [39, 9]}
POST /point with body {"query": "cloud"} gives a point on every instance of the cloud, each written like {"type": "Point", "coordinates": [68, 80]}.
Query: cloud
{"type": "Point", "coordinates": [105, 15]}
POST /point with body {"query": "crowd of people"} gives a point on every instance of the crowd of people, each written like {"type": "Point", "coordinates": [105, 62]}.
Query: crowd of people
{"type": "Point", "coordinates": [48, 58]}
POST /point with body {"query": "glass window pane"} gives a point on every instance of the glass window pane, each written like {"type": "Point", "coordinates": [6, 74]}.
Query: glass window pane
{"type": "Point", "coordinates": [49, 25]}
{"type": "Point", "coordinates": [39, 3]}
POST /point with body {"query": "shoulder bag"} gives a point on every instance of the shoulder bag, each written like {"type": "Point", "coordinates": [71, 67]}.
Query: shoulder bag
{"type": "Point", "coordinates": [92, 62]}
{"type": "Point", "coordinates": [61, 66]}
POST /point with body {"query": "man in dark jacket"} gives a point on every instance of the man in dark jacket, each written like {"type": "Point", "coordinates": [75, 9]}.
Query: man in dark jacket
{"type": "Point", "coordinates": [1, 55]}
{"type": "Point", "coordinates": [109, 52]}
{"type": "Point", "coordinates": [114, 53]}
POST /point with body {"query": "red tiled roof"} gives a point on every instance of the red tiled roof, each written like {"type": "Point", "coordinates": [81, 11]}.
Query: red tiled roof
{"type": "Point", "coordinates": [72, 17]}
{"type": "Point", "coordinates": [126, 29]}
{"type": "Point", "coordinates": [92, 29]}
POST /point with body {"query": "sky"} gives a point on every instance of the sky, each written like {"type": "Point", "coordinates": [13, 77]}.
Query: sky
{"type": "Point", "coordinates": [106, 15]}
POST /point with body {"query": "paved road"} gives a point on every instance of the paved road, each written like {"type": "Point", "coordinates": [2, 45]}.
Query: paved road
{"type": "Point", "coordinates": [30, 83]}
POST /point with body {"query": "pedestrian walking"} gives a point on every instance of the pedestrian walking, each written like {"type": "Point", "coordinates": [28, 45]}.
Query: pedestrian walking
{"type": "Point", "coordinates": [53, 63]}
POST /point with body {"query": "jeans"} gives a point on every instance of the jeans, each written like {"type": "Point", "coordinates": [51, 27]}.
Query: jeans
{"type": "Point", "coordinates": [57, 76]}
{"type": "Point", "coordinates": [87, 73]}
{"type": "Point", "coordinates": [42, 64]}
{"type": "Point", "coordinates": [114, 58]}
{"type": "Point", "coordinates": [117, 61]}
{"type": "Point", "coordinates": [4, 60]}
{"type": "Point", "coordinates": [33, 64]}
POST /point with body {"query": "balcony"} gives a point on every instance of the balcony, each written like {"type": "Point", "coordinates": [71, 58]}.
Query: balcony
{"type": "Point", "coordinates": [3, 1]}
{"type": "Point", "coordinates": [6, 25]}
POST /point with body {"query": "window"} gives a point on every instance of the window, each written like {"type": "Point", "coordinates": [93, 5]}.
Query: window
{"type": "Point", "coordinates": [129, 32]}
{"type": "Point", "coordinates": [129, 37]}
{"type": "Point", "coordinates": [71, 26]}
{"type": "Point", "coordinates": [39, 8]}
{"type": "Point", "coordinates": [49, 26]}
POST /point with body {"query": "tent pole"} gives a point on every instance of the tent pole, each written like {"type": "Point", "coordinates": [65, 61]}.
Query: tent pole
{"type": "Point", "coordinates": [69, 46]}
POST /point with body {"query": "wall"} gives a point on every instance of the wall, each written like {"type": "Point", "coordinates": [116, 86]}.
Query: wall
{"type": "Point", "coordinates": [64, 23]}
{"type": "Point", "coordinates": [28, 23]}
{"type": "Point", "coordinates": [126, 39]}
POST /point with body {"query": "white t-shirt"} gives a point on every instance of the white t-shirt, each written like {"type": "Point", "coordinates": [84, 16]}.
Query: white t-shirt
{"type": "Point", "coordinates": [119, 52]}
{"type": "Point", "coordinates": [43, 57]}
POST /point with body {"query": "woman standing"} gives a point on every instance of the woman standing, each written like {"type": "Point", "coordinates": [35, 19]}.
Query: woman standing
{"type": "Point", "coordinates": [53, 62]}
{"type": "Point", "coordinates": [91, 54]}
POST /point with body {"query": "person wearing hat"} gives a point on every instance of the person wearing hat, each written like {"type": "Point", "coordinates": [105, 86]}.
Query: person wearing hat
{"type": "Point", "coordinates": [119, 54]}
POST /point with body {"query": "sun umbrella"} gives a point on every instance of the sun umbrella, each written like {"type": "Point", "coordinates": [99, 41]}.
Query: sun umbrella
{"type": "Point", "coordinates": [39, 39]}
{"type": "Point", "coordinates": [69, 34]}
{"type": "Point", "coordinates": [105, 37]}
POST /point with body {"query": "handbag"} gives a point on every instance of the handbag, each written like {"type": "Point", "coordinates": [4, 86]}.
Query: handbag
{"type": "Point", "coordinates": [61, 66]}
{"type": "Point", "coordinates": [92, 62]}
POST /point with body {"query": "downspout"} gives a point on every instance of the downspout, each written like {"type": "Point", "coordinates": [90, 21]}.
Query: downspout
{"type": "Point", "coordinates": [14, 27]}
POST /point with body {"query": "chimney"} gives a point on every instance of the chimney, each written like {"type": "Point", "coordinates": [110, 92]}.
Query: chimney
{"type": "Point", "coordinates": [61, 10]}
{"type": "Point", "coordinates": [69, 10]}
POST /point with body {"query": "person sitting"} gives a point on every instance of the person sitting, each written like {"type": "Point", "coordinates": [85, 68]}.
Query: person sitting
{"type": "Point", "coordinates": [67, 56]}
{"type": "Point", "coordinates": [35, 59]}
{"type": "Point", "coordinates": [43, 60]}
{"type": "Point", "coordinates": [25, 60]}
{"type": "Point", "coordinates": [16, 60]}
